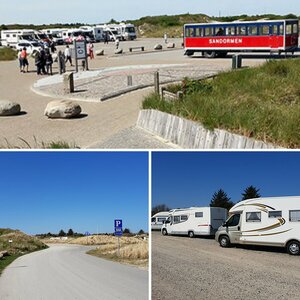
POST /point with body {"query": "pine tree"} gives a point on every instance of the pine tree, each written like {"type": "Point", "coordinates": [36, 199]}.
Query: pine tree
{"type": "Point", "coordinates": [250, 192]}
{"type": "Point", "coordinates": [61, 233]}
{"type": "Point", "coordinates": [220, 199]}
{"type": "Point", "coordinates": [70, 232]}
{"type": "Point", "coordinates": [158, 208]}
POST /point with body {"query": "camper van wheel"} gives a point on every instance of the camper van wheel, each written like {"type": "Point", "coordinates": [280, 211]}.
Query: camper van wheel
{"type": "Point", "coordinates": [224, 241]}
{"type": "Point", "coordinates": [191, 234]}
{"type": "Point", "coordinates": [293, 248]}
{"type": "Point", "coordinates": [164, 232]}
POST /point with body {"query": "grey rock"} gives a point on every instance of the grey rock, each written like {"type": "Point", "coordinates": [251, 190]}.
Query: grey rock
{"type": "Point", "coordinates": [62, 109]}
{"type": "Point", "coordinates": [171, 45]}
{"type": "Point", "coordinates": [100, 52]}
{"type": "Point", "coordinates": [158, 47]}
{"type": "Point", "coordinates": [118, 51]}
{"type": "Point", "coordinates": [9, 108]}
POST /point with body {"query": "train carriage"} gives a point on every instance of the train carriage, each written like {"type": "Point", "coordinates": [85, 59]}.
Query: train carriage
{"type": "Point", "coordinates": [217, 39]}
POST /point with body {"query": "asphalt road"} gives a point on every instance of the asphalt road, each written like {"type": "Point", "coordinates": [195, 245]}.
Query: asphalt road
{"type": "Point", "coordinates": [65, 272]}
{"type": "Point", "coordinates": [184, 268]}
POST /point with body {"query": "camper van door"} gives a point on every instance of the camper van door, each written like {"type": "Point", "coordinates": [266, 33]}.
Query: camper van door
{"type": "Point", "coordinates": [233, 227]}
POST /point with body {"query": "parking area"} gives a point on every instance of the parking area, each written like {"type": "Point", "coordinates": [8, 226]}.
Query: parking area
{"type": "Point", "coordinates": [184, 268]}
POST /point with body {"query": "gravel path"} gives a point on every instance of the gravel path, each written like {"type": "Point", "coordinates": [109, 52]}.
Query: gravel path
{"type": "Point", "coordinates": [199, 268]}
{"type": "Point", "coordinates": [134, 138]}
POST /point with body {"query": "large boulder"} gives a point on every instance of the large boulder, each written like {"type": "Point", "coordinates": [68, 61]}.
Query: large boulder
{"type": "Point", "coordinates": [118, 51]}
{"type": "Point", "coordinates": [9, 108]}
{"type": "Point", "coordinates": [171, 45]}
{"type": "Point", "coordinates": [158, 47]}
{"type": "Point", "coordinates": [62, 109]}
{"type": "Point", "coordinates": [99, 52]}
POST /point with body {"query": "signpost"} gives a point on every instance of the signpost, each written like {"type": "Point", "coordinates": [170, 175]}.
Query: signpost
{"type": "Point", "coordinates": [118, 232]}
{"type": "Point", "coordinates": [87, 234]}
{"type": "Point", "coordinates": [80, 53]}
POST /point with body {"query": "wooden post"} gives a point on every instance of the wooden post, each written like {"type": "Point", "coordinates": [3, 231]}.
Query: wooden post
{"type": "Point", "coordinates": [156, 82]}
{"type": "Point", "coordinates": [129, 80]}
{"type": "Point", "coordinates": [68, 82]}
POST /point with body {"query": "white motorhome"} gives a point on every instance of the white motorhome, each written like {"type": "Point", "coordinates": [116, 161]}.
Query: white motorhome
{"type": "Point", "coordinates": [194, 221]}
{"type": "Point", "coordinates": [10, 38]}
{"type": "Point", "coordinates": [55, 34]}
{"type": "Point", "coordinates": [97, 32]}
{"type": "Point", "coordinates": [158, 220]}
{"type": "Point", "coordinates": [263, 221]}
{"type": "Point", "coordinates": [127, 31]}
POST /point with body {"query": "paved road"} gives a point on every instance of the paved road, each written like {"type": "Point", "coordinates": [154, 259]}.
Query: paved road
{"type": "Point", "coordinates": [65, 272]}
{"type": "Point", "coordinates": [184, 268]}
{"type": "Point", "coordinates": [100, 120]}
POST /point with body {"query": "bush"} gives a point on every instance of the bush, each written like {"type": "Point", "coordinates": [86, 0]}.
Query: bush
{"type": "Point", "coordinates": [7, 54]}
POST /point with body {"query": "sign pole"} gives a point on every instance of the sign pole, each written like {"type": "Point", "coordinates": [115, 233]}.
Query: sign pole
{"type": "Point", "coordinates": [76, 61]}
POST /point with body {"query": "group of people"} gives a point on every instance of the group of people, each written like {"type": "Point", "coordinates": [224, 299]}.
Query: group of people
{"type": "Point", "coordinates": [44, 60]}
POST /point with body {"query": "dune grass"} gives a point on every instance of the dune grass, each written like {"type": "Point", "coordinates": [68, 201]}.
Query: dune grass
{"type": "Point", "coordinates": [7, 260]}
{"type": "Point", "coordinates": [7, 54]}
{"type": "Point", "coordinates": [261, 102]}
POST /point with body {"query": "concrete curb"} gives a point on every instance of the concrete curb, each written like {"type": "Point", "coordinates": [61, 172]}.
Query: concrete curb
{"type": "Point", "coordinates": [191, 135]}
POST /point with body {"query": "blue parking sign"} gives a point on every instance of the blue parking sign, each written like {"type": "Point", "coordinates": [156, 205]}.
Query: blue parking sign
{"type": "Point", "coordinates": [118, 228]}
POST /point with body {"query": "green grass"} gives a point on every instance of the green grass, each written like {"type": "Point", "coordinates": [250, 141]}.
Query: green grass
{"type": "Point", "coordinates": [7, 54]}
{"type": "Point", "coordinates": [5, 261]}
{"type": "Point", "coordinates": [262, 102]}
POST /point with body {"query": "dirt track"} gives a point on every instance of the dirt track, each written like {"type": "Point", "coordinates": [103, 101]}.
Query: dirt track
{"type": "Point", "coordinates": [184, 268]}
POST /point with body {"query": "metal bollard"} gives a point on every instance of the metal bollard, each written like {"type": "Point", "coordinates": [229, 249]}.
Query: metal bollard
{"type": "Point", "coordinates": [129, 80]}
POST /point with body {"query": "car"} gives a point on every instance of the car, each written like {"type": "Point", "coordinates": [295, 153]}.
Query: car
{"type": "Point", "coordinates": [31, 46]}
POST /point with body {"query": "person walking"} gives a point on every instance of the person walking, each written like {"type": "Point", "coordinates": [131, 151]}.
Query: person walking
{"type": "Point", "coordinates": [68, 55]}
{"type": "Point", "coordinates": [117, 43]}
{"type": "Point", "coordinates": [49, 62]}
{"type": "Point", "coordinates": [37, 62]}
{"type": "Point", "coordinates": [24, 58]}
{"type": "Point", "coordinates": [166, 38]}
{"type": "Point", "coordinates": [43, 60]}
{"type": "Point", "coordinates": [91, 50]}
{"type": "Point", "coordinates": [106, 37]}
{"type": "Point", "coordinates": [52, 47]}
{"type": "Point", "coordinates": [20, 60]}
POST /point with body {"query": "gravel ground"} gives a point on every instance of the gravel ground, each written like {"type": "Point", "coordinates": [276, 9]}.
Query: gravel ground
{"type": "Point", "coordinates": [133, 138]}
{"type": "Point", "coordinates": [199, 268]}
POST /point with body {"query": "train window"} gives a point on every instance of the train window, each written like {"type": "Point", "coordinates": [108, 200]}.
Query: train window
{"type": "Point", "coordinates": [209, 31]}
{"type": "Point", "coordinates": [199, 32]}
{"type": "Point", "coordinates": [289, 29]}
{"type": "Point", "coordinates": [220, 31]}
{"type": "Point", "coordinates": [188, 32]}
{"type": "Point", "coordinates": [264, 30]}
{"type": "Point", "coordinates": [295, 28]}
{"type": "Point", "coordinates": [241, 30]}
{"type": "Point", "coordinates": [280, 29]}
{"type": "Point", "coordinates": [230, 31]}
{"type": "Point", "coordinates": [252, 30]}
{"type": "Point", "coordinates": [275, 30]}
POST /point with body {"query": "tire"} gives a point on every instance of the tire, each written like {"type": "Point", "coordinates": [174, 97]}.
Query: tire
{"type": "Point", "coordinates": [224, 241]}
{"type": "Point", "coordinates": [191, 234]}
{"type": "Point", "coordinates": [209, 54]}
{"type": "Point", "coordinates": [189, 53]}
{"type": "Point", "coordinates": [164, 231]}
{"type": "Point", "coordinates": [293, 248]}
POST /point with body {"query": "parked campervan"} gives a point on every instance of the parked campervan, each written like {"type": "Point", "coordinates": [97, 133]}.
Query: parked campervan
{"type": "Point", "coordinates": [10, 38]}
{"type": "Point", "coordinates": [194, 221]}
{"type": "Point", "coordinates": [95, 31]}
{"type": "Point", "coordinates": [55, 34]}
{"type": "Point", "coordinates": [263, 221]}
{"type": "Point", "coordinates": [158, 220]}
{"type": "Point", "coordinates": [127, 31]}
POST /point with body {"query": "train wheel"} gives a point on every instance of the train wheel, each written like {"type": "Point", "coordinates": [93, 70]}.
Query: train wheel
{"type": "Point", "coordinates": [210, 54]}
{"type": "Point", "coordinates": [189, 53]}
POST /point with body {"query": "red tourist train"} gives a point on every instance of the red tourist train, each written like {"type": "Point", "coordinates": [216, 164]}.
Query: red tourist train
{"type": "Point", "coordinates": [217, 39]}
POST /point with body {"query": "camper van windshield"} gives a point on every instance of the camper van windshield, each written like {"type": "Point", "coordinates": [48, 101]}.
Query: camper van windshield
{"type": "Point", "coordinates": [130, 30]}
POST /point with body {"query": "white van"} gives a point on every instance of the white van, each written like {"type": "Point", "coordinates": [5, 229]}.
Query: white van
{"type": "Point", "coordinates": [10, 38]}
{"type": "Point", "coordinates": [31, 46]}
{"type": "Point", "coordinates": [263, 221]}
{"type": "Point", "coordinates": [194, 221]}
{"type": "Point", "coordinates": [128, 31]}
{"type": "Point", "coordinates": [158, 220]}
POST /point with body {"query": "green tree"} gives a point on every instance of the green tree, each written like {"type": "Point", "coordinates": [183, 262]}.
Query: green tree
{"type": "Point", "coordinates": [250, 192]}
{"type": "Point", "coordinates": [141, 232]}
{"type": "Point", "coordinates": [126, 230]}
{"type": "Point", "coordinates": [220, 199]}
{"type": "Point", "coordinates": [70, 232]}
{"type": "Point", "coordinates": [61, 233]}
{"type": "Point", "coordinates": [158, 208]}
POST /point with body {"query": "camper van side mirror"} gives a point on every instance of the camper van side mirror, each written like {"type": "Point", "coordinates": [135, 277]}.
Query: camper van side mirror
{"type": "Point", "coordinates": [225, 224]}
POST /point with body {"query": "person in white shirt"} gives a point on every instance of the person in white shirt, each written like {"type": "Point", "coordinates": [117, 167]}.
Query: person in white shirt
{"type": "Point", "coordinates": [68, 55]}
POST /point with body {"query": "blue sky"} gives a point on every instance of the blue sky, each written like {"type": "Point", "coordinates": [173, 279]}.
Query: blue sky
{"type": "Point", "coordinates": [190, 179]}
{"type": "Point", "coordinates": [49, 191]}
{"type": "Point", "coordinates": [97, 11]}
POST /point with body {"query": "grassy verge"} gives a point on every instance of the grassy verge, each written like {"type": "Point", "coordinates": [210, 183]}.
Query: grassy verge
{"type": "Point", "coordinates": [7, 260]}
{"type": "Point", "coordinates": [262, 102]}
{"type": "Point", "coordinates": [20, 244]}
{"type": "Point", "coordinates": [7, 54]}
{"type": "Point", "coordinates": [133, 250]}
